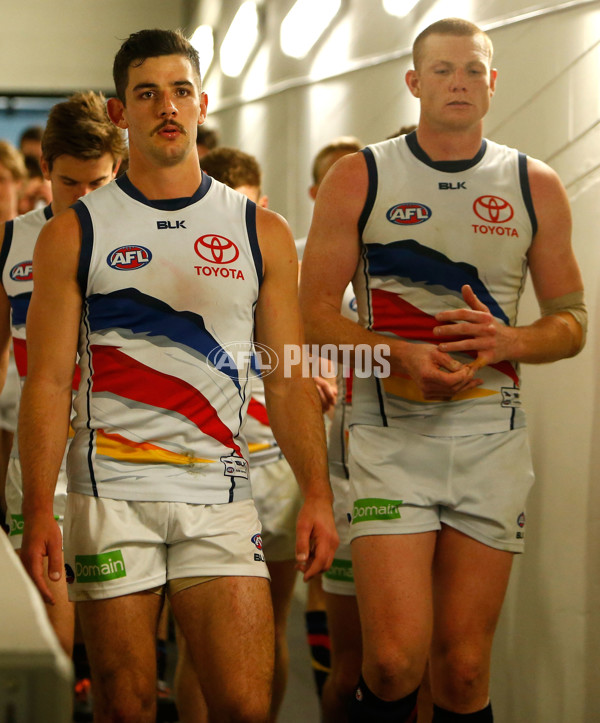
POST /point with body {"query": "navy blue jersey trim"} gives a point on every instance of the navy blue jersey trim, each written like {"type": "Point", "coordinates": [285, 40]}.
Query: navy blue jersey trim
{"type": "Point", "coordinates": [167, 204]}
{"type": "Point", "coordinates": [48, 212]}
{"type": "Point", "coordinates": [526, 191]}
{"type": "Point", "coordinates": [253, 238]}
{"type": "Point", "coordinates": [371, 191]}
{"type": "Point", "coordinates": [444, 166]}
{"type": "Point", "coordinates": [88, 399]}
{"type": "Point", "coordinates": [6, 244]}
{"type": "Point", "coordinates": [87, 243]}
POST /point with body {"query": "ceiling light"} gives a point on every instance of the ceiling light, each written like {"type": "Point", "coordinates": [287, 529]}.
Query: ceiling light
{"type": "Point", "coordinates": [203, 41]}
{"type": "Point", "coordinates": [240, 40]}
{"type": "Point", "coordinates": [305, 23]}
{"type": "Point", "coordinates": [399, 8]}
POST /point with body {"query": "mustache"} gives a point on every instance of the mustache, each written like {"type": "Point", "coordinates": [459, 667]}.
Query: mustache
{"type": "Point", "coordinates": [167, 122]}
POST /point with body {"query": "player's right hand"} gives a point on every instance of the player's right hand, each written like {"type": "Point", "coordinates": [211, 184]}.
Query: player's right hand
{"type": "Point", "coordinates": [437, 375]}
{"type": "Point", "coordinates": [42, 538]}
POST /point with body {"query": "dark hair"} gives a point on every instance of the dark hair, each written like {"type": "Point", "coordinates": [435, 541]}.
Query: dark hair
{"type": "Point", "coordinates": [151, 44]}
{"type": "Point", "coordinates": [80, 127]}
{"type": "Point", "coordinates": [208, 137]}
{"type": "Point", "coordinates": [232, 167]}
{"type": "Point", "coordinates": [449, 26]}
{"type": "Point", "coordinates": [31, 133]}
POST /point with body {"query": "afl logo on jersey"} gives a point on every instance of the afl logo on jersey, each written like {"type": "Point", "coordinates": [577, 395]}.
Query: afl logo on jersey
{"type": "Point", "coordinates": [22, 271]}
{"type": "Point", "coordinates": [408, 214]}
{"type": "Point", "coordinates": [129, 258]}
{"type": "Point", "coordinates": [257, 541]}
{"type": "Point", "coordinates": [493, 209]}
{"type": "Point", "coordinates": [216, 249]}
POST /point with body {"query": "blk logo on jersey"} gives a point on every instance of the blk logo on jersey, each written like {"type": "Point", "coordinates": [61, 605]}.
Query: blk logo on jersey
{"type": "Point", "coordinates": [216, 249]}
{"type": "Point", "coordinates": [129, 258]}
{"type": "Point", "coordinates": [493, 209]}
{"type": "Point", "coordinates": [170, 224]}
{"type": "Point", "coordinates": [408, 214]}
{"type": "Point", "coordinates": [22, 271]}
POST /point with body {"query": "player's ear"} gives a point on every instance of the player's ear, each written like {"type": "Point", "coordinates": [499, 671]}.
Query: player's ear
{"type": "Point", "coordinates": [493, 76]}
{"type": "Point", "coordinates": [412, 81]}
{"type": "Point", "coordinates": [45, 168]}
{"type": "Point", "coordinates": [115, 110]}
{"type": "Point", "coordinates": [203, 108]}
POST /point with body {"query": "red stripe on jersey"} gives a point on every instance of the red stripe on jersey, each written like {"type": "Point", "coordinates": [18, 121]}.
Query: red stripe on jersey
{"type": "Point", "coordinates": [119, 374]}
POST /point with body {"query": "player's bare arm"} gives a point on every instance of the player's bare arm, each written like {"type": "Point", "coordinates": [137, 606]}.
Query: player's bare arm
{"type": "Point", "coordinates": [52, 332]}
{"type": "Point", "coordinates": [278, 322]}
{"type": "Point", "coordinates": [558, 286]}
{"type": "Point", "coordinates": [329, 264]}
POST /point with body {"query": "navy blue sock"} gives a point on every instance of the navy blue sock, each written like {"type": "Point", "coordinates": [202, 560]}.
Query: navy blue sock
{"type": "Point", "coordinates": [366, 707]}
{"type": "Point", "coordinates": [446, 716]}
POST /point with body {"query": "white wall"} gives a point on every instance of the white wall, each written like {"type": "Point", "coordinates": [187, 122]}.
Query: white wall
{"type": "Point", "coordinates": [547, 652]}
{"type": "Point", "coordinates": [66, 45]}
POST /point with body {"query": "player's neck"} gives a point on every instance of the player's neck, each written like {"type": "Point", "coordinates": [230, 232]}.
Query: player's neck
{"type": "Point", "coordinates": [449, 145]}
{"type": "Point", "coordinates": [162, 182]}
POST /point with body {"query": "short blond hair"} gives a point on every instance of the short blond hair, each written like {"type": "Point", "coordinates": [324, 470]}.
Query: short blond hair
{"type": "Point", "coordinates": [13, 161]}
{"type": "Point", "coordinates": [346, 144]}
{"type": "Point", "coordinates": [449, 26]}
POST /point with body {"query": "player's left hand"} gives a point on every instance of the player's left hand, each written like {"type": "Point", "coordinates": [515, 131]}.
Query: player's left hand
{"type": "Point", "coordinates": [316, 537]}
{"type": "Point", "coordinates": [327, 393]}
{"type": "Point", "coordinates": [480, 330]}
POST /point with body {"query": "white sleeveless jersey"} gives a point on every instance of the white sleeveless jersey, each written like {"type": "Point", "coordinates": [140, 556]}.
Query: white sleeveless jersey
{"type": "Point", "coordinates": [16, 272]}
{"type": "Point", "coordinates": [427, 229]}
{"type": "Point", "coordinates": [169, 290]}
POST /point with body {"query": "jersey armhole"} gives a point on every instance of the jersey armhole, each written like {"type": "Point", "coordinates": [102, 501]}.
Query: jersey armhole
{"type": "Point", "coordinates": [526, 191]}
{"type": "Point", "coordinates": [371, 191]}
{"type": "Point", "coordinates": [87, 242]}
{"type": "Point", "coordinates": [6, 244]}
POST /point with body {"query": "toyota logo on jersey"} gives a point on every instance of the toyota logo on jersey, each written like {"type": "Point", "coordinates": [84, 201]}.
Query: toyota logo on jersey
{"type": "Point", "coordinates": [493, 209]}
{"type": "Point", "coordinates": [216, 249]}
{"type": "Point", "coordinates": [129, 258]}
{"type": "Point", "coordinates": [22, 271]}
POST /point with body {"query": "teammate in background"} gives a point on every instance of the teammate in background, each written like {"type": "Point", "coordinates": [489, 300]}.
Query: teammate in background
{"type": "Point", "coordinates": [439, 461]}
{"type": "Point", "coordinates": [81, 151]}
{"type": "Point", "coordinates": [316, 622]}
{"type": "Point", "coordinates": [12, 175]}
{"type": "Point", "coordinates": [159, 490]}
{"type": "Point", "coordinates": [36, 191]}
{"type": "Point", "coordinates": [207, 139]}
{"type": "Point", "coordinates": [30, 142]}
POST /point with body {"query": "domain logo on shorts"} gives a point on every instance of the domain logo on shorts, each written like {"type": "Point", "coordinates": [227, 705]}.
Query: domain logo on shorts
{"type": "Point", "coordinates": [370, 509]}
{"type": "Point", "coordinates": [100, 568]}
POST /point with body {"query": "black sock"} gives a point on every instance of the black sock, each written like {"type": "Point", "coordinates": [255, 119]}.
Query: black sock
{"type": "Point", "coordinates": [446, 716]}
{"type": "Point", "coordinates": [161, 659]}
{"type": "Point", "coordinates": [80, 662]}
{"type": "Point", "coordinates": [366, 707]}
{"type": "Point", "coordinates": [319, 645]}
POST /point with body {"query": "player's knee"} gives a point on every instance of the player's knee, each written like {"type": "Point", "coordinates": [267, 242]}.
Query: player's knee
{"type": "Point", "coordinates": [464, 671]}
{"type": "Point", "coordinates": [391, 670]}
{"type": "Point", "coordinates": [250, 709]}
{"type": "Point", "coordinates": [125, 697]}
